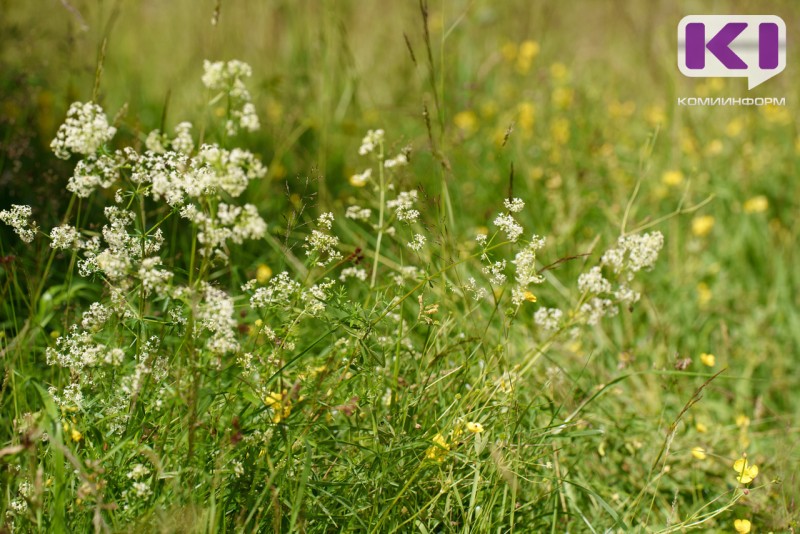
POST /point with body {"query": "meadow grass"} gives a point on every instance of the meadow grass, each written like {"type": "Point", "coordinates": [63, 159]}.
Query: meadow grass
{"type": "Point", "coordinates": [407, 363]}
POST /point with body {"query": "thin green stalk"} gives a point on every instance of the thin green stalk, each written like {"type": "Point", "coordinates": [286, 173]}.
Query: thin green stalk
{"type": "Point", "coordinates": [380, 217]}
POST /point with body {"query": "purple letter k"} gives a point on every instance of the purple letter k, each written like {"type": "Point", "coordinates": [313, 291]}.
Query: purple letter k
{"type": "Point", "coordinates": [719, 45]}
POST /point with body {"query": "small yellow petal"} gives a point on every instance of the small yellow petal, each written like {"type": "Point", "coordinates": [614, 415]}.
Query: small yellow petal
{"type": "Point", "coordinates": [708, 359]}
{"type": "Point", "coordinates": [263, 273]}
{"type": "Point", "coordinates": [672, 178]}
{"type": "Point", "coordinates": [702, 226]}
{"type": "Point", "coordinates": [699, 453]}
{"type": "Point", "coordinates": [742, 526]}
{"type": "Point", "coordinates": [758, 204]}
{"type": "Point", "coordinates": [475, 428]}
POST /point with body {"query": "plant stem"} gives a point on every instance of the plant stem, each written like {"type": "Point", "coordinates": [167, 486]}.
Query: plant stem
{"type": "Point", "coordinates": [380, 216]}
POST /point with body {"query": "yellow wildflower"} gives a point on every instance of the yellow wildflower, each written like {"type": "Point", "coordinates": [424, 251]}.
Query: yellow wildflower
{"type": "Point", "coordinates": [757, 204]}
{"type": "Point", "coordinates": [528, 51]}
{"type": "Point", "coordinates": [703, 294]}
{"type": "Point", "coordinates": [360, 180]}
{"type": "Point", "coordinates": [559, 130]}
{"type": "Point", "coordinates": [281, 406]}
{"type": "Point", "coordinates": [75, 435]}
{"type": "Point", "coordinates": [530, 297]}
{"type": "Point", "coordinates": [747, 472]}
{"type": "Point", "coordinates": [715, 147]}
{"type": "Point", "coordinates": [699, 453]}
{"type": "Point", "coordinates": [734, 128]}
{"type": "Point", "coordinates": [708, 359]}
{"type": "Point", "coordinates": [466, 121]}
{"type": "Point", "coordinates": [700, 427]}
{"type": "Point", "coordinates": [742, 420]}
{"type": "Point", "coordinates": [702, 225]}
{"type": "Point", "coordinates": [263, 273]}
{"type": "Point", "coordinates": [475, 428]}
{"type": "Point", "coordinates": [672, 178]}
{"type": "Point", "coordinates": [562, 97]}
{"type": "Point", "coordinates": [439, 449]}
{"type": "Point", "coordinates": [509, 51]}
{"type": "Point", "coordinates": [526, 114]}
{"type": "Point", "coordinates": [742, 526]}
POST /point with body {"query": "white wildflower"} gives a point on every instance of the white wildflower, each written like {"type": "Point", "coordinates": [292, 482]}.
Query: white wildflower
{"type": "Point", "coordinates": [495, 272]}
{"type": "Point", "coordinates": [401, 160]}
{"type": "Point", "coordinates": [514, 205]}
{"type": "Point", "coordinates": [417, 243]}
{"type": "Point", "coordinates": [18, 219]}
{"type": "Point", "coordinates": [548, 318]}
{"type": "Point", "coordinates": [183, 141]}
{"type": "Point", "coordinates": [403, 206]}
{"type": "Point", "coordinates": [596, 309]}
{"type": "Point", "coordinates": [370, 141]}
{"type": "Point", "coordinates": [279, 292]}
{"type": "Point", "coordinates": [85, 130]}
{"type": "Point", "coordinates": [510, 226]}
{"type": "Point", "coordinates": [93, 172]}
{"type": "Point", "coordinates": [358, 213]}
{"type": "Point", "coordinates": [593, 282]}
{"type": "Point", "coordinates": [353, 272]}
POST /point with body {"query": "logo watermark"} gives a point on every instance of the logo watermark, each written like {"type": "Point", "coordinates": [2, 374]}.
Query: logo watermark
{"type": "Point", "coordinates": [732, 46]}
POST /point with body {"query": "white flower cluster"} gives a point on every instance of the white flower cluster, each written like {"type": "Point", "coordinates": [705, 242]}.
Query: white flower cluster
{"type": "Point", "coordinates": [370, 142]}
{"type": "Point", "coordinates": [95, 318]}
{"type": "Point", "coordinates": [95, 171]}
{"type": "Point", "coordinates": [510, 226]}
{"type": "Point", "coordinates": [232, 170]}
{"type": "Point", "coordinates": [323, 245]}
{"type": "Point", "coordinates": [548, 318]}
{"type": "Point", "coordinates": [18, 219]}
{"type": "Point", "coordinates": [634, 253]}
{"type": "Point", "coordinates": [157, 142]}
{"type": "Point", "coordinates": [77, 350]}
{"type": "Point", "coordinates": [228, 77]}
{"type": "Point", "coordinates": [316, 297]}
{"type": "Point", "coordinates": [478, 293]}
{"type": "Point", "coordinates": [597, 308]}
{"type": "Point", "coordinates": [353, 272]}
{"type": "Point", "coordinates": [495, 272]}
{"type": "Point", "coordinates": [234, 223]}
{"type": "Point", "coordinates": [593, 282]}
{"type": "Point", "coordinates": [215, 315]}
{"type": "Point", "coordinates": [417, 242]}
{"type": "Point", "coordinates": [358, 213]}
{"type": "Point", "coordinates": [514, 205]}
{"type": "Point", "coordinates": [70, 397]}
{"type": "Point", "coordinates": [85, 130]}
{"type": "Point", "coordinates": [280, 292]}
{"type": "Point", "coordinates": [401, 160]}
{"type": "Point", "coordinates": [404, 206]}
{"type": "Point", "coordinates": [526, 273]}
{"type": "Point", "coordinates": [64, 237]}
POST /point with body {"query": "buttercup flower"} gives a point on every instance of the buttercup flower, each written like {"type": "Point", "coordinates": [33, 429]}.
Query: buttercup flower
{"type": "Point", "coordinates": [742, 526]}
{"type": "Point", "coordinates": [747, 472]}
{"type": "Point", "coordinates": [708, 359]}
{"type": "Point", "coordinates": [475, 428]}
